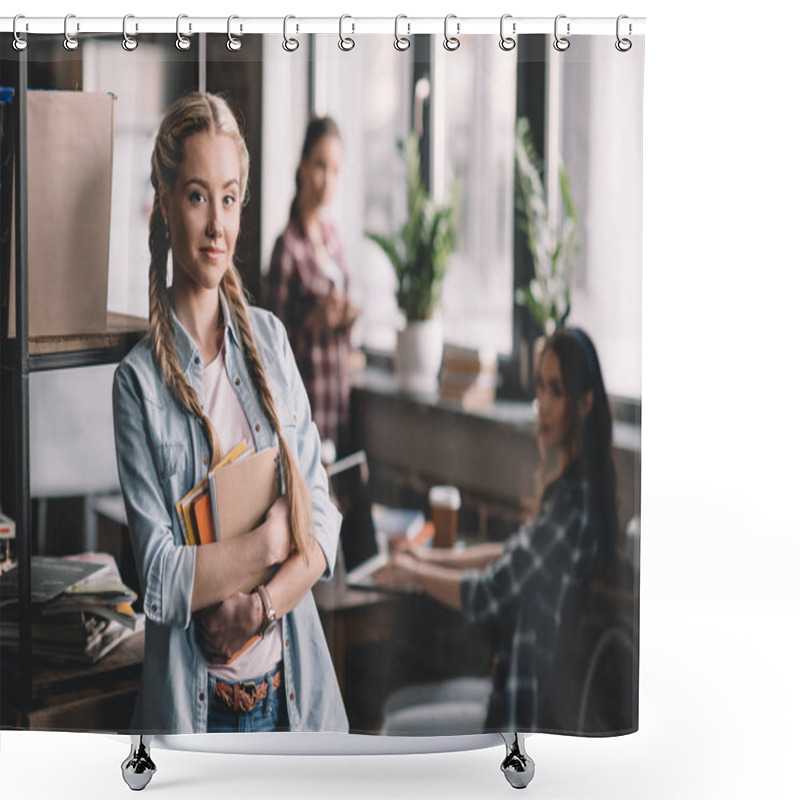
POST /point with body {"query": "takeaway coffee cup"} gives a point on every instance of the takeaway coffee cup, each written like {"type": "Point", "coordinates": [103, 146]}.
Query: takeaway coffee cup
{"type": "Point", "coordinates": [445, 502]}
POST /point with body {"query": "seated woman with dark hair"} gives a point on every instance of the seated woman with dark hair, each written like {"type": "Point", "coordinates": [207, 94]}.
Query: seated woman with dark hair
{"type": "Point", "coordinates": [526, 583]}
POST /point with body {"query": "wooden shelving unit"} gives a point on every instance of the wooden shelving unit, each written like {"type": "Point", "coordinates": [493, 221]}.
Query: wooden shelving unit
{"type": "Point", "coordinates": [38, 694]}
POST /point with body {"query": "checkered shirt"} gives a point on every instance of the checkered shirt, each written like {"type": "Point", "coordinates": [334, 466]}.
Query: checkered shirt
{"type": "Point", "coordinates": [292, 288]}
{"type": "Point", "coordinates": [525, 591]}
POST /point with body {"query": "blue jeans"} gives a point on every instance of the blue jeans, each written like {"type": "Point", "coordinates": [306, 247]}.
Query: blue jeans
{"type": "Point", "coordinates": [269, 715]}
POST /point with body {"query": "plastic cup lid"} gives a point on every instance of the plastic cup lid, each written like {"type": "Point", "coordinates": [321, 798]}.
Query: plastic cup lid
{"type": "Point", "coordinates": [445, 497]}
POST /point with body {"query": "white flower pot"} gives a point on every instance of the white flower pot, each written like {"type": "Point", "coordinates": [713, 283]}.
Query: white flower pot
{"type": "Point", "coordinates": [418, 355]}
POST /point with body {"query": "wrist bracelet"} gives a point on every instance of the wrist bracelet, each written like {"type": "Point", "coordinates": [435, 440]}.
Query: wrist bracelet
{"type": "Point", "coordinates": [269, 614]}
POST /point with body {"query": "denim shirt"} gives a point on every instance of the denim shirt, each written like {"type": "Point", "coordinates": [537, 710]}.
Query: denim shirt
{"type": "Point", "coordinates": [161, 454]}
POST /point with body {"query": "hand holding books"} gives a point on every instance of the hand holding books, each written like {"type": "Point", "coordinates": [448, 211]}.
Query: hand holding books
{"type": "Point", "coordinates": [225, 630]}
{"type": "Point", "coordinates": [228, 628]}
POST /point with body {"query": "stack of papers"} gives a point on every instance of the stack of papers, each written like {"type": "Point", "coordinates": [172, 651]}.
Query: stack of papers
{"type": "Point", "coordinates": [81, 608]}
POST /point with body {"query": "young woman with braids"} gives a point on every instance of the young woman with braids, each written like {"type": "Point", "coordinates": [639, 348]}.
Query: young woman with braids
{"type": "Point", "coordinates": [211, 372]}
{"type": "Point", "coordinates": [307, 284]}
{"type": "Point", "coordinates": [523, 585]}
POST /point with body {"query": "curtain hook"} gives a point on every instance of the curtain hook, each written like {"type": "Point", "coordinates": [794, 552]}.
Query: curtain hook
{"type": "Point", "coordinates": [290, 44]}
{"type": "Point", "coordinates": [182, 43]}
{"type": "Point", "coordinates": [623, 45]}
{"type": "Point", "coordinates": [234, 43]}
{"type": "Point", "coordinates": [507, 43]}
{"type": "Point", "coordinates": [401, 43]}
{"type": "Point", "coordinates": [561, 43]}
{"type": "Point", "coordinates": [451, 43]}
{"type": "Point", "coordinates": [129, 43]}
{"type": "Point", "coordinates": [70, 42]}
{"type": "Point", "coordinates": [345, 42]}
{"type": "Point", "coordinates": [20, 43]}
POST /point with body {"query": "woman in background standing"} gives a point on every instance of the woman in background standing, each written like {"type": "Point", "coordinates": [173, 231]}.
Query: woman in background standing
{"type": "Point", "coordinates": [307, 284]}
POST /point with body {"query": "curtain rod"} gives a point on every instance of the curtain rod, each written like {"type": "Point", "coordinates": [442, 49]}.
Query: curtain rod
{"type": "Point", "coordinates": [294, 25]}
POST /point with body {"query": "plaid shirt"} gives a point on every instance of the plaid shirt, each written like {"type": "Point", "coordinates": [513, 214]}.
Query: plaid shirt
{"type": "Point", "coordinates": [525, 590]}
{"type": "Point", "coordinates": [292, 289]}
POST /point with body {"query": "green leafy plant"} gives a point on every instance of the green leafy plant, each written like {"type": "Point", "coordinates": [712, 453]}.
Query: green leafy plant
{"type": "Point", "coordinates": [553, 245]}
{"type": "Point", "coordinates": [420, 249]}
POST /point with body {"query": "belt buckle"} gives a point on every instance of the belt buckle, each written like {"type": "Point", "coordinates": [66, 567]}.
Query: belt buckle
{"type": "Point", "coordinates": [248, 690]}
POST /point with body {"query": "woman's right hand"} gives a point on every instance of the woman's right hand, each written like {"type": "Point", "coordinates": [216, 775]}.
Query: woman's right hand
{"type": "Point", "coordinates": [276, 532]}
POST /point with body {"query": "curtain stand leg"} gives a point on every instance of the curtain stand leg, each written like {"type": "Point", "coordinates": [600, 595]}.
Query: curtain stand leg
{"type": "Point", "coordinates": [138, 768]}
{"type": "Point", "coordinates": [517, 766]}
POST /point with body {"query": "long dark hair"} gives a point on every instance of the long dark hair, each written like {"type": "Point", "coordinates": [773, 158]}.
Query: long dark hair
{"type": "Point", "coordinates": [588, 439]}
{"type": "Point", "coordinates": [318, 128]}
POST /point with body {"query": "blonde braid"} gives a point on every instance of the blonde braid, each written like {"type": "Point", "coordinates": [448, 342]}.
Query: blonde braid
{"type": "Point", "coordinates": [162, 338]}
{"type": "Point", "coordinates": [300, 517]}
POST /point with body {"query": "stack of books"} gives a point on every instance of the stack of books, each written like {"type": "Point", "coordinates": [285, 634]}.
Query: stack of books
{"type": "Point", "coordinates": [81, 608]}
{"type": "Point", "coordinates": [7, 532]}
{"type": "Point", "coordinates": [469, 377]}
{"type": "Point", "coordinates": [233, 499]}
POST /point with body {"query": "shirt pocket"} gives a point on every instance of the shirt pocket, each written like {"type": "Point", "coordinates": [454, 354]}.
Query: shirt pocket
{"type": "Point", "coordinates": [170, 458]}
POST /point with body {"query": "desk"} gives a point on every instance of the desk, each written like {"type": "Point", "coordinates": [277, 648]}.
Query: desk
{"type": "Point", "coordinates": [381, 641]}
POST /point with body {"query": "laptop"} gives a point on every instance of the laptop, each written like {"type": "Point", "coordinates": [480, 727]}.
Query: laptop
{"type": "Point", "coordinates": [349, 480]}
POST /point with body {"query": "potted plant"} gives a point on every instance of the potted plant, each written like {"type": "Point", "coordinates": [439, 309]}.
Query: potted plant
{"type": "Point", "coordinates": [418, 253]}
{"type": "Point", "coordinates": [552, 241]}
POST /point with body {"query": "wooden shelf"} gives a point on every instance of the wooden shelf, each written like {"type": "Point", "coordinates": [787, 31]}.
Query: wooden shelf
{"type": "Point", "coordinates": [119, 329]}
{"type": "Point", "coordinates": [87, 349]}
{"type": "Point", "coordinates": [76, 696]}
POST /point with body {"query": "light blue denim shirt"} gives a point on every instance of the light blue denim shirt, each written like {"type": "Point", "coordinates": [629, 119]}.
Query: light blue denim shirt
{"type": "Point", "coordinates": [161, 454]}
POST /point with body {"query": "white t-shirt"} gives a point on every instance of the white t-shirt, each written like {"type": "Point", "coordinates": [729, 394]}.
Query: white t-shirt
{"type": "Point", "coordinates": [228, 418]}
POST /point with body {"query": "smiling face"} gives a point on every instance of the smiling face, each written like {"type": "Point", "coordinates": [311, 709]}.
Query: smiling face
{"type": "Point", "coordinates": [203, 211]}
{"type": "Point", "coordinates": [319, 171]}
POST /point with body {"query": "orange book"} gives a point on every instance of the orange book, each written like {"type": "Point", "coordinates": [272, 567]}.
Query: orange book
{"type": "Point", "coordinates": [203, 518]}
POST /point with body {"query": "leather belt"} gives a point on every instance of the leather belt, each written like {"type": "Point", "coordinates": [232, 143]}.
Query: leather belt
{"type": "Point", "coordinates": [241, 698]}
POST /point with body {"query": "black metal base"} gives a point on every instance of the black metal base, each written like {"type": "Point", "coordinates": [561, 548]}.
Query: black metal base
{"type": "Point", "coordinates": [138, 768]}
{"type": "Point", "coordinates": [517, 766]}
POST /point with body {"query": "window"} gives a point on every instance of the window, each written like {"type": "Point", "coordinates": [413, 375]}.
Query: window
{"type": "Point", "coordinates": [285, 115]}
{"type": "Point", "coordinates": [473, 115]}
{"type": "Point", "coordinates": [143, 95]}
{"type": "Point", "coordinates": [596, 99]}
{"type": "Point", "coordinates": [368, 92]}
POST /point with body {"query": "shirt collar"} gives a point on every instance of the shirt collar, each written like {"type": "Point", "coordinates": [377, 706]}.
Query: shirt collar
{"type": "Point", "coordinates": [185, 348]}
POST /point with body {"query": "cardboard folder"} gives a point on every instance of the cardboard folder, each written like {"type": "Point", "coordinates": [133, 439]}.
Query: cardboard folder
{"type": "Point", "coordinates": [70, 157]}
{"type": "Point", "coordinates": [242, 492]}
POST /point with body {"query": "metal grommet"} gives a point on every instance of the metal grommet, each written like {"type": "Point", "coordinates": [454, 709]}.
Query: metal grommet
{"type": "Point", "coordinates": [623, 45]}
{"type": "Point", "coordinates": [129, 43]}
{"type": "Point", "coordinates": [290, 44]}
{"type": "Point", "coordinates": [20, 43]}
{"type": "Point", "coordinates": [70, 42]}
{"type": "Point", "coordinates": [560, 43]}
{"type": "Point", "coordinates": [234, 44]}
{"type": "Point", "coordinates": [346, 43]}
{"type": "Point", "coordinates": [507, 43]}
{"type": "Point", "coordinates": [401, 43]}
{"type": "Point", "coordinates": [182, 43]}
{"type": "Point", "coordinates": [451, 43]}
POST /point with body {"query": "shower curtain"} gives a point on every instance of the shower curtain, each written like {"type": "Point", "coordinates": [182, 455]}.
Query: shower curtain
{"type": "Point", "coordinates": [442, 235]}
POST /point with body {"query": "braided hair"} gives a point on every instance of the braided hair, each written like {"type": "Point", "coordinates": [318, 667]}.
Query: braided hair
{"type": "Point", "coordinates": [194, 113]}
